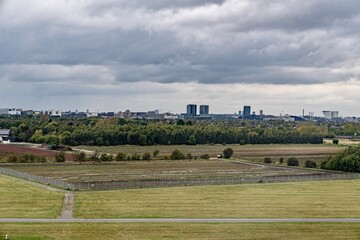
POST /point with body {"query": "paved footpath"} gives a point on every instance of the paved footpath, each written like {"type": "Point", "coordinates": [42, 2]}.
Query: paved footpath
{"type": "Point", "coordinates": [183, 220]}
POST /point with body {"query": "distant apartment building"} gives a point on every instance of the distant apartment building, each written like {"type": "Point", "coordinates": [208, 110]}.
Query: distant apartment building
{"type": "Point", "coordinates": [191, 110]}
{"type": "Point", "coordinates": [15, 111]}
{"type": "Point", "coordinates": [331, 114]}
{"type": "Point", "coordinates": [247, 111]}
{"type": "Point", "coordinates": [204, 110]}
{"type": "Point", "coordinates": [4, 135]}
{"type": "Point", "coordinates": [53, 113]}
{"type": "Point", "coordinates": [91, 114]}
{"type": "Point", "coordinates": [27, 113]}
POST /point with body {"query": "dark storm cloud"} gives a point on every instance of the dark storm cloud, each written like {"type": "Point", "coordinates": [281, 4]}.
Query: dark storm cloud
{"type": "Point", "coordinates": [204, 41]}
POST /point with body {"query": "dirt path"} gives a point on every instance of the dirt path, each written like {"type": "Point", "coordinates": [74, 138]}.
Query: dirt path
{"type": "Point", "coordinates": [68, 206]}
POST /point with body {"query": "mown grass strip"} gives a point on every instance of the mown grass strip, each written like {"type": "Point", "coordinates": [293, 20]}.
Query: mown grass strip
{"type": "Point", "coordinates": [23, 200]}
{"type": "Point", "coordinates": [332, 199]}
{"type": "Point", "coordinates": [239, 231]}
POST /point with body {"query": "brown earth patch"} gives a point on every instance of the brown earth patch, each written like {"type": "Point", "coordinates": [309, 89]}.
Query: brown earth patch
{"type": "Point", "coordinates": [6, 149]}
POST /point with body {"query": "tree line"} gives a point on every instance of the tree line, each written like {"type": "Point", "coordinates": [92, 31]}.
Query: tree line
{"type": "Point", "coordinates": [105, 132]}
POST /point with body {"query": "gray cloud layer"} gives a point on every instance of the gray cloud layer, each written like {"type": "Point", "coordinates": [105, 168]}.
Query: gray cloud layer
{"type": "Point", "coordinates": [113, 42]}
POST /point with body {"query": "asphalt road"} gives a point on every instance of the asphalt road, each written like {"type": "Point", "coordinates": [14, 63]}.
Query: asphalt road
{"type": "Point", "coordinates": [184, 220]}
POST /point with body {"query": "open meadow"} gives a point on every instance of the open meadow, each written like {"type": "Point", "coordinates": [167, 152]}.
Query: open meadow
{"type": "Point", "coordinates": [159, 173]}
{"type": "Point", "coordinates": [20, 199]}
{"type": "Point", "coordinates": [257, 152]}
{"type": "Point", "coordinates": [155, 169]}
{"type": "Point", "coordinates": [334, 199]}
{"type": "Point", "coordinates": [238, 231]}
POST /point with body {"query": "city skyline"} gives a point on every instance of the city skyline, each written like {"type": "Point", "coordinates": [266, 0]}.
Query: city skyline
{"type": "Point", "coordinates": [142, 55]}
{"type": "Point", "coordinates": [191, 110]}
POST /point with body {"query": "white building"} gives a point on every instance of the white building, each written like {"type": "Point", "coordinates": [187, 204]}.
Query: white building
{"type": "Point", "coordinates": [91, 114]}
{"type": "Point", "coordinates": [15, 111]}
{"type": "Point", "coordinates": [54, 113]}
{"type": "Point", "coordinates": [288, 118]}
{"type": "Point", "coordinates": [331, 114]}
{"type": "Point", "coordinates": [4, 136]}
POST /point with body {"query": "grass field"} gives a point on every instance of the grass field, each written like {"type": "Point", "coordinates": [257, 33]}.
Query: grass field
{"type": "Point", "coordinates": [337, 199]}
{"type": "Point", "coordinates": [155, 169]}
{"type": "Point", "coordinates": [270, 150]}
{"type": "Point", "coordinates": [162, 169]}
{"type": "Point", "coordinates": [167, 169]}
{"type": "Point", "coordinates": [248, 231]}
{"type": "Point", "coordinates": [343, 141]}
{"type": "Point", "coordinates": [22, 200]}
{"type": "Point", "coordinates": [254, 152]}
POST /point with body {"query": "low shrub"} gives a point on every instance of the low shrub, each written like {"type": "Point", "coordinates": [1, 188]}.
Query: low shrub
{"type": "Point", "coordinates": [135, 157]}
{"type": "Point", "coordinates": [60, 156]}
{"type": "Point", "coordinates": [146, 156]}
{"type": "Point", "coordinates": [106, 157]}
{"type": "Point", "coordinates": [228, 152]}
{"type": "Point", "coordinates": [80, 157]}
{"type": "Point", "coordinates": [26, 158]}
{"type": "Point", "coordinates": [293, 161]}
{"type": "Point", "coordinates": [310, 164]}
{"type": "Point", "coordinates": [177, 155]}
{"type": "Point", "coordinates": [156, 153]}
{"type": "Point", "coordinates": [120, 156]}
{"type": "Point", "coordinates": [267, 160]}
{"type": "Point", "coordinates": [205, 156]}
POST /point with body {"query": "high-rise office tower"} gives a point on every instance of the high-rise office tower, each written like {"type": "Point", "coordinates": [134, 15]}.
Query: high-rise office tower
{"type": "Point", "coordinates": [247, 111]}
{"type": "Point", "coordinates": [191, 110]}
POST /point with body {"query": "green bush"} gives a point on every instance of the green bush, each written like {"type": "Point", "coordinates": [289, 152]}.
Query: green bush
{"type": "Point", "coordinates": [95, 156]}
{"type": "Point", "coordinates": [120, 156]}
{"type": "Point", "coordinates": [26, 158]}
{"type": "Point", "coordinates": [177, 155]}
{"type": "Point", "coordinates": [205, 156]}
{"type": "Point", "coordinates": [60, 156]}
{"type": "Point", "coordinates": [293, 161]}
{"type": "Point", "coordinates": [146, 156]}
{"type": "Point", "coordinates": [106, 157]}
{"type": "Point", "coordinates": [281, 160]}
{"type": "Point", "coordinates": [80, 157]}
{"type": "Point", "coordinates": [228, 152]}
{"type": "Point", "coordinates": [156, 152]}
{"type": "Point", "coordinates": [310, 164]}
{"type": "Point", "coordinates": [12, 158]}
{"type": "Point", "coordinates": [267, 160]}
{"type": "Point", "coordinates": [135, 157]}
{"type": "Point", "coordinates": [335, 141]}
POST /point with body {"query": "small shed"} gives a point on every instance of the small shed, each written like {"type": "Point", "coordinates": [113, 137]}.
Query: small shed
{"type": "Point", "coordinates": [4, 135]}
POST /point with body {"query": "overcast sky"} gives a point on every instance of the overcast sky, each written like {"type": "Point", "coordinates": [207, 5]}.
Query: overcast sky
{"type": "Point", "coordinates": [275, 55]}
